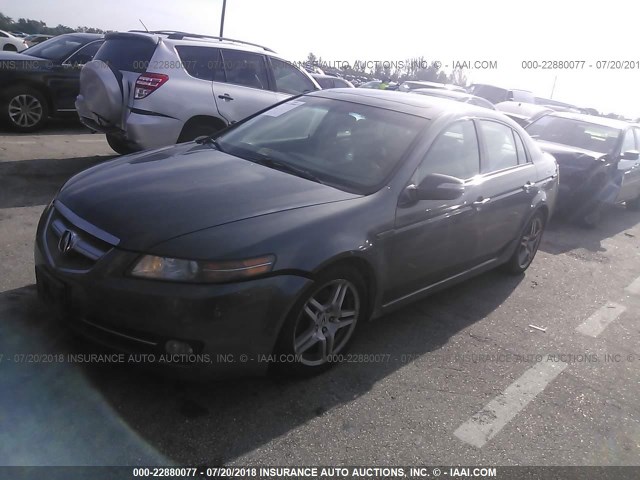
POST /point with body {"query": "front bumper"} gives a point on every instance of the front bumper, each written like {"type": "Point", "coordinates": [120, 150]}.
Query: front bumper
{"type": "Point", "coordinates": [231, 328]}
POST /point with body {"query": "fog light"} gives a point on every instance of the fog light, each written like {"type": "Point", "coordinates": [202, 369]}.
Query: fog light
{"type": "Point", "coordinates": [176, 347]}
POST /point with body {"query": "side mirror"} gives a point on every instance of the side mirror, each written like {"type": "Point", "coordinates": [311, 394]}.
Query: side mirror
{"type": "Point", "coordinates": [630, 155]}
{"type": "Point", "coordinates": [436, 186]}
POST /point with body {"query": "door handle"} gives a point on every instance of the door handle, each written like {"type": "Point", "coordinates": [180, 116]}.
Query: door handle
{"type": "Point", "coordinates": [527, 187]}
{"type": "Point", "coordinates": [481, 201]}
{"type": "Point", "coordinates": [226, 96]}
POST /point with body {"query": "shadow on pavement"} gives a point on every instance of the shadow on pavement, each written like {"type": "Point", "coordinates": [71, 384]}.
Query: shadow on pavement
{"type": "Point", "coordinates": [562, 236]}
{"type": "Point", "coordinates": [56, 126]}
{"type": "Point", "coordinates": [210, 423]}
{"type": "Point", "coordinates": [27, 183]}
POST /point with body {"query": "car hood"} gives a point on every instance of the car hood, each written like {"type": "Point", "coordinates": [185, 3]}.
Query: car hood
{"type": "Point", "coordinates": [567, 152]}
{"type": "Point", "coordinates": [144, 199]}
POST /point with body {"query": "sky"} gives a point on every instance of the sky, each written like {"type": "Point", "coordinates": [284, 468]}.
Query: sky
{"type": "Point", "coordinates": [508, 33]}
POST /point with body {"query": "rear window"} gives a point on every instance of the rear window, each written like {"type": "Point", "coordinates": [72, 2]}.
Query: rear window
{"type": "Point", "coordinates": [126, 54]}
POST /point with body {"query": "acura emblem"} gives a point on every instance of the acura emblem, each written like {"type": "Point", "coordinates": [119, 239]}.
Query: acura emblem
{"type": "Point", "coordinates": [67, 241]}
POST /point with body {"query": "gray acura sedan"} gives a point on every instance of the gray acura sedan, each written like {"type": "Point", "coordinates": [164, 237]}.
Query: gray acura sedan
{"type": "Point", "coordinates": [272, 242]}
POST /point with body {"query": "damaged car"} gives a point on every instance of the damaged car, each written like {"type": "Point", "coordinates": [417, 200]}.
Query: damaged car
{"type": "Point", "coordinates": [599, 160]}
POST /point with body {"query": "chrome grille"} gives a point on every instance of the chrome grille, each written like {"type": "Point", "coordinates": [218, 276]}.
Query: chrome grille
{"type": "Point", "coordinates": [70, 247]}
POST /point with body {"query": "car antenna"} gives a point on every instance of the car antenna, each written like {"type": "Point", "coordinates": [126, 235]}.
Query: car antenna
{"type": "Point", "coordinates": [145, 27]}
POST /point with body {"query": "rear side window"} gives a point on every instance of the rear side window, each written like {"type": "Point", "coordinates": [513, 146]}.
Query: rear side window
{"type": "Point", "coordinates": [202, 62]}
{"type": "Point", "coordinates": [500, 148]}
{"type": "Point", "coordinates": [522, 154]}
{"type": "Point", "coordinates": [126, 54]}
{"type": "Point", "coordinates": [244, 68]}
{"type": "Point", "coordinates": [289, 79]}
{"type": "Point", "coordinates": [85, 54]}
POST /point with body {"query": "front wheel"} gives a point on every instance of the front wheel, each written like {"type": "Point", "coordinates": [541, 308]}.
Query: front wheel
{"type": "Point", "coordinates": [527, 245]}
{"type": "Point", "coordinates": [322, 323]}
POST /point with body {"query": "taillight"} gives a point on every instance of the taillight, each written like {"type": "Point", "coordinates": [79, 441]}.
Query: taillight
{"type": "Point", "coordinates": [147, 83]}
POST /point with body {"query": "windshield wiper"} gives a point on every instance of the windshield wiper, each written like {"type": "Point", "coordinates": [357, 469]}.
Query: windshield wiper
{"type": "Point", "coordinates": [208, 139]}
{"type": "Point", "coordinates": [286, 167]}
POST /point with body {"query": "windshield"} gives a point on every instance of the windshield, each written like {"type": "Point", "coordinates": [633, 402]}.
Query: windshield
{"type": "Point", "coordinates": [351, 146]}
{"type": "Point", "coordinates": [575, 133]}
{"type": "Point", "coordinates": [57, 48]}
{"type": "Point", "coordinates": [489, 92]}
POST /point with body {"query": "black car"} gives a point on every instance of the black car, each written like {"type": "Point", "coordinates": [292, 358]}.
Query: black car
{"type": "Point", "coordinates": [43, 80]}
{"type": "Point", "coordinates": [599, 162]}
{"type": "Point", "coordinates": [279, 236]}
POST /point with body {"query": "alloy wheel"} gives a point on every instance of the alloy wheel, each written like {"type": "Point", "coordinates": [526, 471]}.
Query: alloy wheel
{"type": "Point", "coordinates": [530, 241]}
{"type": "Point", "coordinates": [25, 110]}
{"type": "Point", "coordinates": [326, 322]}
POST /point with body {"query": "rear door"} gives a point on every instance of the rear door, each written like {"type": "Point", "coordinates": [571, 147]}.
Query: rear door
{"type": "Point", "coordinates": [245, 87]}
{"type": "Point", "coordinates": [107, 82]}
{"type": "Point", "coordinates": [505, 189]}
{"type": "Point", "coordinates": [67, 76]}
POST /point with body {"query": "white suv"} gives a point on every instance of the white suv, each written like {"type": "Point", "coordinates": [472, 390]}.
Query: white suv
{"type": "Point", "coordinates": [151, 89]}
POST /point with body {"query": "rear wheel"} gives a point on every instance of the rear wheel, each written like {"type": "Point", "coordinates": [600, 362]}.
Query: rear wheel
{"type": "Point", "coordinates": [322, 323]}
{"type": "Point", "coordinates": [25, 109]}
{"type": "Point", "coordinates": [119, 144]}
{"type": "Point", "coordinates": [527, 245]}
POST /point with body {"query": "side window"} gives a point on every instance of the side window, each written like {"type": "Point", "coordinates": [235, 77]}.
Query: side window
{"type": "Point", "coordinates": [204, 63]}
{"type": "Point", "coordinates": [500, 149]}
{"type": "Point", "coordinates": [522, 153]}
{"type": "Point", "coordinates": [85, 54]}
{"type": "Point", "coordinates": [289, 79]}
{"type": "Point", "coordinates": [629, 142]}
{"type": "Point", "coordinates": [454, 152]}
{"type": "Point", "coordinates": [244, 68]}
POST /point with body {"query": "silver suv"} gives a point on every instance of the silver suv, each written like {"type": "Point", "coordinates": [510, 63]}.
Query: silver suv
{"type": "Point", "coordinates": [151, 89]}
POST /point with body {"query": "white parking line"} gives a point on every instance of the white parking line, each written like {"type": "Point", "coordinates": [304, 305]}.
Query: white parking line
{"type": "Point", "coordinates": [488, 422]}
{"type": "Point", "coordinates": [596, 323]}
{"type": "Point", "coordinates": [634, 287]}
{"type": "Point", "coordinates": [20, 142]}
{"type": "Point", "coordinates": [91, 140]}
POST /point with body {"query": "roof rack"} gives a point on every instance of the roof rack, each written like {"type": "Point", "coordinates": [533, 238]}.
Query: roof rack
{"type": "Point", "coordinates": [177, 35]}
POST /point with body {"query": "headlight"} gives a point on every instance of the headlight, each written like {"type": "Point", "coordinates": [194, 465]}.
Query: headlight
{"type": "Point", "coordinates": [201, 271]}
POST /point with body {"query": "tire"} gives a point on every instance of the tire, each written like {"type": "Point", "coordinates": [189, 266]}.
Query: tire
{"type": "Point", "coordinates": [119, 145]}
{"type": "Point", "coordinates": [10, 48]}
{"type": "Point", "coordinates": [308, 338]}
{"type": "Point", "coordinates": [24, 109]}
{"type": "Point", "coordinates": [191, 132]}
{"type": "Point", "coordinates": [528, 244]}
{"type": "Point", "coordinates": [634, 204]}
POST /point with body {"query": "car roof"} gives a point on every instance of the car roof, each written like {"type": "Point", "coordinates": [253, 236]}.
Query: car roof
{"type": "Point", "coordinates": [426, 106]}
{"type": "Point", "coordinates": [184, 38]}
{"type": "Point", "coordinates": [604, 121]}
